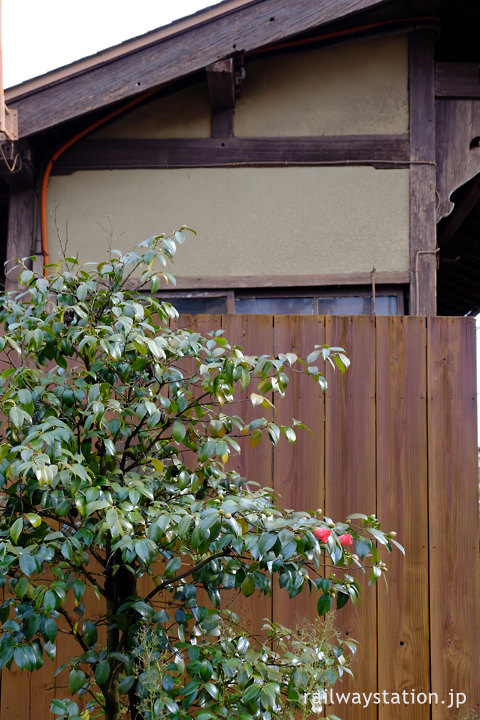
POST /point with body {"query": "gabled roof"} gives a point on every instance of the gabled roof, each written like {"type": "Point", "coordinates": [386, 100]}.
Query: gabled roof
{"type": "Point", "coordinates": [169, 53]}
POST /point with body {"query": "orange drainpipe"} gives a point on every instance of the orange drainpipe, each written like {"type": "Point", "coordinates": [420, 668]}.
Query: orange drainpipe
{"type": "Point", "coordinates": [60, 151]}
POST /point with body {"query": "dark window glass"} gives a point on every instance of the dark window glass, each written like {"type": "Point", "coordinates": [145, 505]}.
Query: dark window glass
{"type": "Point", "coordinates": [274, 306]}
{"type": "Point", "coordinates": [357, 305]}
{"type": "Point", "coordinates": [199, 305]}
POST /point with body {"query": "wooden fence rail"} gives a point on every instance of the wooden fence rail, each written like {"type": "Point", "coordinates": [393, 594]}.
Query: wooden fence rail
{"type": "Point", "coordinates": [395, 436]}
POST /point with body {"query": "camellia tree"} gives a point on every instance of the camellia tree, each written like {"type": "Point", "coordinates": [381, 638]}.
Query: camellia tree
{"type": "Point", "coordinates": [115, 438]}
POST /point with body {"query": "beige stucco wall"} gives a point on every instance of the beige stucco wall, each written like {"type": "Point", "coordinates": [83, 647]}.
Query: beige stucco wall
{"type": "Point", "coordinates": [351, 88]}
{"type": "Point", "coordinates": [250, 221]}
{"type": "Point", "coordinates": [182, 114]}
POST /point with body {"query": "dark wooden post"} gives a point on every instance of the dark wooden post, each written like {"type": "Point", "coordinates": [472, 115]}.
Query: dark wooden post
{"type": "Point", "coordinates": [423, 245]}
{"type": "Point", "coordinates": [18, 172]}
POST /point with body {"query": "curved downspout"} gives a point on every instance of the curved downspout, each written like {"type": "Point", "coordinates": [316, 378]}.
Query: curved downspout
{"type": "Point", "coordinates": [60, 151]}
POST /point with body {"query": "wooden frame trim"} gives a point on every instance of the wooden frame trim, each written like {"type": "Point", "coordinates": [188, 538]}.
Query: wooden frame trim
{"type": "Point", "coordinates": [461, 80]}
{"type": "Point", "coordinates": [288, 281]}
{"type": "Point", "coordinates": [423, 258]}
{"type": "Point", "coordinates": [381, 151]}
{"type": "Point", "coordinates": [181, 50]}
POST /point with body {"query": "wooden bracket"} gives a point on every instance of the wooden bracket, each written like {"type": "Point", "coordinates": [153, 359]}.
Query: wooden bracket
{"type": "Point", "coordinates": [458, 153]}
{"type": "Point", "coordinates": [221, 90]}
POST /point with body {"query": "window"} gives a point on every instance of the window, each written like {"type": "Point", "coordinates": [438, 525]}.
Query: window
{"type": "Point", "coordinates": [291, 301]}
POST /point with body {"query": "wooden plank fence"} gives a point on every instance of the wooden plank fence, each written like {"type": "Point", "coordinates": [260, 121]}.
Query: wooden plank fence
{"type": "Point", "coordinates": [395, 436]}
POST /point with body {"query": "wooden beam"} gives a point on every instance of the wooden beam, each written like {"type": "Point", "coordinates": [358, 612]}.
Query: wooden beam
{"type": "Point", "coordinates": [423, 260]}
{"type": "Point", "coordinates": [184, 51]}
{"type": "Point", "coordinates": [457, 80]}
{"type": "Point", "coordinates": [21, 214]}
{"type": "Point", "coordinates": [288, 281]}
{"type": "Point", "coordinates": [389, 151]}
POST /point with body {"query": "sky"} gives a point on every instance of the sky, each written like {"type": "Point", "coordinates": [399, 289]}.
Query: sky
{"type": "Point", "coordinates": [41, 35]}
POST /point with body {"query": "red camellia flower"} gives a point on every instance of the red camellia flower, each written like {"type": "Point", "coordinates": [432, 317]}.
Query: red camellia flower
{"type": "Point", "coordinates": [345, 539]}
{"type": "Point", "coordinates": [322, 534]}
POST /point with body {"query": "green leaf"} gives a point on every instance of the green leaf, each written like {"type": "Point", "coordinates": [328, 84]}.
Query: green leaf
{"type": "Point", "coordinates": [50, 629]}
{"type": "Point", "coordinates": [58, 707]}
{"type": "Point", "coordinates": [248, 585]}
{"type": "Point", "coordinates": [16, 529]}
{"type": "Point", "coordinates": [266, 542]}
{"type": "Point", "coordinates": [178, 431]}
{"type": "Point", "coordinates": [251, 693]}
{"type": "Point", "coordinates": [363, 547]}
{"type": "Point", "coordinates": [16, 416]}
{"type": "Point", "coordinates": [89, 633]}
{"type": "Point", "coordinates": [212, 690]}
{"type": "Point", "coordinates": [143, 551]}
{"type": "Point", "coordinates": [34, 519]}
{"type": "Point", "coordinates": [143, 609]}
{"type": "Point", "coordinates": [324, 604]}
{"type": "Point", "coordinates": [102, 672]}
{"type": "Point", "coordinates": [76, 680]}
{"type": "Point", "coordinates": [28, 564]}
{"type": "Point", "coordinates": [268, 697]}
{"type": "Point", "coordinates": [172, 566]}
{"type": "Point", "coordinates": [125, 684]}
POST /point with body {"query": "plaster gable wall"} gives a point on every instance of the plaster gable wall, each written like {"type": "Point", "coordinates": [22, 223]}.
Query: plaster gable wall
{"type": "Point", "coordinates": [358, 87]}
{"type": "Point", "coordinates": [182, 114]}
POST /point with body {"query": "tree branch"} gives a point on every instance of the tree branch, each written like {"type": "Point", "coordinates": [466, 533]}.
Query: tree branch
{"type": "Point", "coordinates": [190, 571]}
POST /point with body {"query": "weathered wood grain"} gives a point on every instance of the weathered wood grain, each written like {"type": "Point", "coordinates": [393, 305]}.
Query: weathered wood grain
{"type": "Point", "coordinates": [458, 160]}
{"type": "Point", "coordinates": [461, 80]}
{"type": "Point", "coordinates": [350, 483]}
{"type": "Point", "coordinates": [402, 505]}
{"type": "Point", "coordinates": [453, 512]}
{"type": "Point", "coordinates": [21, 216]}
{"type": "Point", "coordinates": [290, 281]}
{"type": "Point", "coordinates": [118, 154]}
{"type": "Point", "coordinates": [423, 261]}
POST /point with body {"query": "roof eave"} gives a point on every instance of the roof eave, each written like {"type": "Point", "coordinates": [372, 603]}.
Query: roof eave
{"type": "Point", "coordinates": [169, 53]}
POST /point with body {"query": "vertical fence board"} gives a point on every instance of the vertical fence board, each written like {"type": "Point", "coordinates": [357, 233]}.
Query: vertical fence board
{"type": "Point", "coordinates": [402, 505]}
{"type": "Point", "coordinates": [350, 484]}
{"type": "Point", "coordinates": [453, 508]}
{"type": "Point", "coordinates": [255, 334]}
{"type": "Point", "coordinates": [298, 468]}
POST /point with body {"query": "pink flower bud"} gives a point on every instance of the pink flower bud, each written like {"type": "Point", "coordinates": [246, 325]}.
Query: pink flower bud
{"type": "Point", "coordinates": [345, 539]}
{"type": "Point", "coordinates": [322, 534]}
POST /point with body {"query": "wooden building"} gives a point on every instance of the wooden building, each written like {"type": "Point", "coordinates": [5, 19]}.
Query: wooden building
{"type": "Point", "coordinates": [325, 152]}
